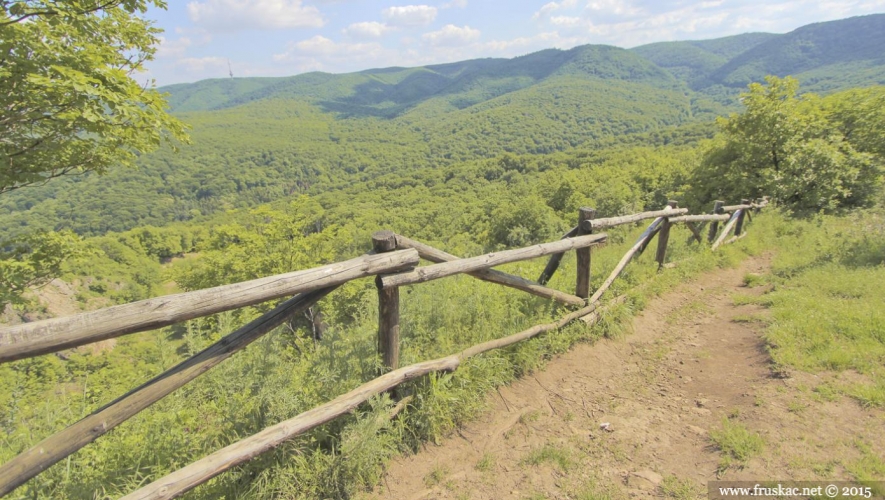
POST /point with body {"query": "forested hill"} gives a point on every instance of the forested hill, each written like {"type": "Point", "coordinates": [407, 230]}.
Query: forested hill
{"type": "Point", "coordinates": [391, 92]}
{"type": "Point", "coordinates": [823, 56]}
{"type": "Point", "coordinates": [257, 140]}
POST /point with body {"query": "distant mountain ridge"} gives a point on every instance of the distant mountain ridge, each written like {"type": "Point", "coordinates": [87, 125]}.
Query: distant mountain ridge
{"type": "Point", "coordinates": [388, 92]}
{"type": "Point", "coordinates": [824, 56]}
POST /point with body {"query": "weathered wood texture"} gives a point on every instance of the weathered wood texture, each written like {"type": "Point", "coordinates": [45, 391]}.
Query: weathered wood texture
{"type": "Point", "coordinates": [726, 230]}
{"type": "Point", "coordinates": [582, 282]}
{"type": "Point", "coordinates": [597, 224]}
{"type": "Point", "coordinates": [61, 444]}
{"type": "Point", "coordinates": [432, 254]}
{"type": "Point", "coordinates": [714, 225]}
{"type": "Point", "coordinates": [183, 480]}
{"type": "Point", "coordinates": [735, 208]}
{"type": "Point", "coordinates": [733, 239]}
{"type": "Point", "coordinates": [739, 225]}
{"type": "Point", "coordinates": [595, 316]}
{"type": "Point", "coordinates": [436, 271]}
{"type": "Point", "coordinates": [388, 307]}
{"type": "Point", "coordinates": [664, 237]}
{"type": "Point", "coordinates": [643, 240]}
{"type": "Point", "coordinates": [41, 337]}
{"type": "Point", "coordinates": [695, 231]}
{"type": "Point", "coordinates": [700, 218]}
{"type": "Point", "coordinates": [555, 259]}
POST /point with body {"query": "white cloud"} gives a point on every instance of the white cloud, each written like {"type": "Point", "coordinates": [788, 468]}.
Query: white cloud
{"type": "Point", "coordinates": [616, 9]}
{"type": "Point", "coordinates": [319, 53]}
{"type": "Point", "coordinates": [566, 21]}
{"type": "Point", "coordinates": [235, 15]}
{"type": "Point", "coordinates": [455, 3]}
{"type": "Point", "coordinates": [366, 30]}
{"type": "Point", "coordinates": [550, 8]}
{"type": "Point", "coordinates": [451, 36]}
{"type": "Point", "coordinates": [409, 15]}
{"type": "Point", "coordinates": [203, 64]}
{"type": "Point", "coordinates": [525, 44]}
{"type": "Point", "coordinates": [172, 48]}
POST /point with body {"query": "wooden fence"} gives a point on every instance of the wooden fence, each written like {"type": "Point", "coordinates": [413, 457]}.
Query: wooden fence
{"type": "Point", "coordinates": [392, 262]}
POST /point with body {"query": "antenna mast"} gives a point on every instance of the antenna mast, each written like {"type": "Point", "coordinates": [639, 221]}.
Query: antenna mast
{"type": "Point", "coordinates": [229, 70]}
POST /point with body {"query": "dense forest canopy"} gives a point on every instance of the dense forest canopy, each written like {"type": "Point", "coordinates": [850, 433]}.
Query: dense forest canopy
{"type": "Point", "coordinates": [258, 140]}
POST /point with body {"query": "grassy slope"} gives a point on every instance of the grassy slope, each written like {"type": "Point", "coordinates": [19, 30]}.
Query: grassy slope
{"type": "Point", "coordinates": [809, 48]}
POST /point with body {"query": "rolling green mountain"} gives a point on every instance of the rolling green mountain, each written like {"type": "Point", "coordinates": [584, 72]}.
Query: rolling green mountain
{"type": "Point", "coordinates": [695, 60]}
{"type": "Point", "coordinates": [257, 140]}
{"type": "Point", "coordinates": [391, 92]}
{"type": "Point", "coordinates": [826, 49]}
{"type": "Point", "coordinates": [825, 57]}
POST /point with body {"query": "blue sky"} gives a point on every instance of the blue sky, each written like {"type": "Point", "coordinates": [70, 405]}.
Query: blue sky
{"type": "Point", "coordinates": [287, 37]}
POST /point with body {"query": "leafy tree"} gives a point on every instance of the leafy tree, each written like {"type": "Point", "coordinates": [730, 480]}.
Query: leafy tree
{"type": "Point", "coordinates": [32, 261]}
{"type": "Point", "coordinates": [788, 147]}
{"type": "Point", "coordinates": [70, 103]}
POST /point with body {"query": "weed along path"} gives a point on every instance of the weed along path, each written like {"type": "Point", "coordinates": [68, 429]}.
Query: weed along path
{"type": "Point", "coordinates": [688, 396]}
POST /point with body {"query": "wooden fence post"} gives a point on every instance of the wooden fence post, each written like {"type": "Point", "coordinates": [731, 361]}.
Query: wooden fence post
{"type": "Point", "coordinates": [582, 285]}
{"type": "Point", "coordinates": [388, 307]}
{"type": "Point", "coordinates": [714, 226]}
{"type": "Point", "coordinates": [664, 236]}
{"type": "Point", "coordinates": [739, 225]}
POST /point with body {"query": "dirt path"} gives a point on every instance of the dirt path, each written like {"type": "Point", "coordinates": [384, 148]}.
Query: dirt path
{"type": "Point", "coordinates": [693, 360]}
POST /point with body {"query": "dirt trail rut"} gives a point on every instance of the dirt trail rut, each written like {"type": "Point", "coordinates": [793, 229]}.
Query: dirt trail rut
{"type": "Point", "coordinates": [693, 359]}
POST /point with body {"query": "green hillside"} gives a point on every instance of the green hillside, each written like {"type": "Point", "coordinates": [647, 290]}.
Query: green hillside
{"type": "Point", "coordinates": [262, 139]}
{"type": "Point", "coordinates": [821, 48]}
{"type": "Point", "coordinates": [825, 57]}
{"type": "Point", "coordinates": [389, 92]}
{"type": "Point", "coordinates": [269, 138]}
{"type": "Point", "coordinates": [690, 61]}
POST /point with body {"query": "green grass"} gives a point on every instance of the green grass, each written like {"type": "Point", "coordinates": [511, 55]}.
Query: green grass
{"type": "Point", "coordinates": [869, 469]}
{"type": "Point", "coordinates": [681, 489]}
{"type": "Point", "coordinates": [828, 300]}
{"type": "Point", "coordinates": [558, 456]}
{"type": "Point", "coordinates": [736, 443]}
{"type": "Point", "coordinates": [435, 476]}
{"type": "Point", "coordinates": [485, 463]}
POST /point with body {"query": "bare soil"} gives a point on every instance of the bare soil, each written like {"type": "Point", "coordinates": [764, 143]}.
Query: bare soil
{"type": "Point", "coordinates": [693, 359]}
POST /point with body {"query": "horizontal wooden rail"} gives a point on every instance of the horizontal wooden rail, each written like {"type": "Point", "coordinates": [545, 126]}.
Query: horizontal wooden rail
{"type": "Point", "coordinates": [201, 471]}
{"type": "Point", "coordinates": [61, 444]}
{"type": "Point", "coordinates": [427, 252]}
{"type": "Point", "coordinates": [472, 264]}
{"type": "Point", "coordinates": [596, 224]}
{"type": "Point", "coordinates": [51, 335]}
{"type": "Point", "coordinates": [699, 218]}
{"type": "Point", "coordinates": [734, 208]}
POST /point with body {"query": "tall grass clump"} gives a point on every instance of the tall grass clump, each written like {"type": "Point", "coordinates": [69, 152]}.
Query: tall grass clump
{"type": "Point", "coordinates": [828, 297]}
